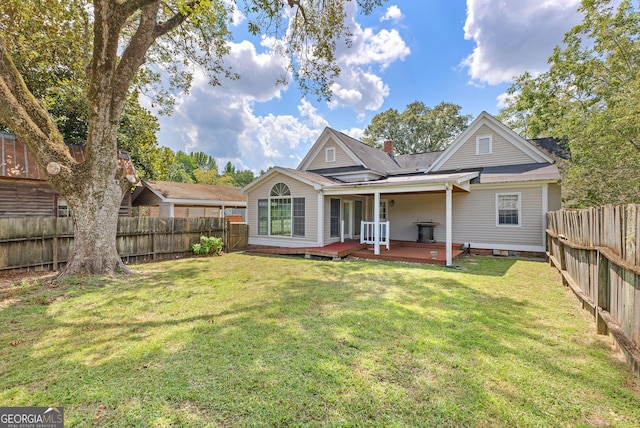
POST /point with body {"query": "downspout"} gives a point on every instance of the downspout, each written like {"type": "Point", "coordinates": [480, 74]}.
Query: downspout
{"type": "Point", "coordinates": [545, 209]}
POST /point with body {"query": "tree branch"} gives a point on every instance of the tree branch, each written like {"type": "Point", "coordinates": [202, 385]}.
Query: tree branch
{"type": "Point", "coordinates": [26, 118]}
{"type": "Point", "coordinates": [173, 22]}
{"type": "Point", "coordinates": [131, 6]}
{"type": "Point", "coordinates": [134, 54]}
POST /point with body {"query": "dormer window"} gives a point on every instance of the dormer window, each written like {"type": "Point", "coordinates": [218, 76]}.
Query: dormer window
{"type": "Point", "coordinates": [483, 145]}
{"type": "Point", "coordinates": [330, 154]}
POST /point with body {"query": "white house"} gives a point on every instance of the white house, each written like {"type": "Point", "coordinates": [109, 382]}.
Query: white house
{"type": "Point", "coordinates": [490, 188]}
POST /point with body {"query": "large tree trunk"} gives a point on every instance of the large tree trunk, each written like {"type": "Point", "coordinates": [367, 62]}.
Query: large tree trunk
{"type": "Point", "coordinates": [94, 209]}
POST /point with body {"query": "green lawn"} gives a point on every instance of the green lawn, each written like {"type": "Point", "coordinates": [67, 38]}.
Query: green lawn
{"type": "Point", "coordinates": [244, 340]}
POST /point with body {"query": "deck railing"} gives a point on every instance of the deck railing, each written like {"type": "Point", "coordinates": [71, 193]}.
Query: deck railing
{"type": "Point", "coordinates": [367, 235]}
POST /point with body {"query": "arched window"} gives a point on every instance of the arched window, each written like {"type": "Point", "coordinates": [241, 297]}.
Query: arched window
{"type": "Point", "coordinates": [281, 215]}
{"type": "Point", "coordinates": [280, 189]}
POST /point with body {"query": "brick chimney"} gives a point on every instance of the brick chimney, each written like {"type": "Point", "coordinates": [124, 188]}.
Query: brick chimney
{"type": "Point", "coordinates": [388, 147]}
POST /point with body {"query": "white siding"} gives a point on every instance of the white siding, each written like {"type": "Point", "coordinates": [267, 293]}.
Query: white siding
{"type": "Point", "coordinates": [474, 217]}
{"type": "Point", "coordinates": [411, 208]}
{"type": "Point", "coordinates": [342, 158]}
{"type": "Point", "coordinates": [298, 190]}
{"type": "Point", "coordinates": [503, 153]}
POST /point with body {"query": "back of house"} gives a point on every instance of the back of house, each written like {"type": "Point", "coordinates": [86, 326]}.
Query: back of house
{"type": "Point", "coordinates": [490, 189]}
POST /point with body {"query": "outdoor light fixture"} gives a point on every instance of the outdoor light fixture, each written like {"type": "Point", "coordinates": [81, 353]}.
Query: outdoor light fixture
{"type": "Point", "coordinates": [392, 203]}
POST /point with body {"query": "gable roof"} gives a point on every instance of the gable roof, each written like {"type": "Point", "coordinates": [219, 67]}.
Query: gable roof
{"type": "Point", "coordinates": [417, 161]}
{"type": "Point", "coordinates": [314, 180]}
{"type": "Point", "coordinates": [180, 192]}
{"type": "Point", "coordinates": [361, 154]}
{"type": "Point", "coordinates": [508, 134]}
{"type": "Point", "coordinates": [554, 148]}
{"type": "Point", "coordinates": [372, 158]}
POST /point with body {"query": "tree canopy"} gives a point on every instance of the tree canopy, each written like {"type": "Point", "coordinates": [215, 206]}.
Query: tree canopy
{"type": "Point", "coordinates": [418, 128]}
{"type": "Point", "coordinates": [590, 98]}
{"type": "Point", "coordinates": [108, 49]}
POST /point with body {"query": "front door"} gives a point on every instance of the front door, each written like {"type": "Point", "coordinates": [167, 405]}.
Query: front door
{"type": "Point", "coordinates": [384, 216]}
{"type": "Point", "coordinates": [346, 216]}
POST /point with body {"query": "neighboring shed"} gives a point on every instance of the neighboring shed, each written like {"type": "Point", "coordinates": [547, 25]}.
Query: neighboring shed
{"type": "Point", "coordinates": [24, 191]}
{"type": "Point", "coordinates": [169, 199]}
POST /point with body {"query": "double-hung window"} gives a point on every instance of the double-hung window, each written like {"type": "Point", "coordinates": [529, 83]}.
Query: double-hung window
{"type": "Point", "coordinates": [508, 209]}
{"type": "Point", "coordinates": [484, 145]}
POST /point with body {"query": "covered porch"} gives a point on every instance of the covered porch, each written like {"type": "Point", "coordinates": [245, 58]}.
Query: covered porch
{"type": "Point", "coordinates": [380, 225]}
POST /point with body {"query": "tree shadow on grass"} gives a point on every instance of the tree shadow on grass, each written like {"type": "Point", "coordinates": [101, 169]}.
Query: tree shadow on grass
{"type": "Point", "coordinates": [311, 343]}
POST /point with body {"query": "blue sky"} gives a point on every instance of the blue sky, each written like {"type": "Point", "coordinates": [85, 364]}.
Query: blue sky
{"type": "Point", "coordinates": [427, 50]}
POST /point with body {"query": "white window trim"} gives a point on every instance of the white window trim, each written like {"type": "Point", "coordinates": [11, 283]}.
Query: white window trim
{"type": "Point", "coordinates": [481, 137]}
{"type": "Point", "coordinates": [332, 157]}
{"type": "Point", "coordinates": [519, 195]}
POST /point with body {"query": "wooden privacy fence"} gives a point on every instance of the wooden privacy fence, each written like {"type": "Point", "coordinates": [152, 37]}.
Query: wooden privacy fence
{"type": "Point", "coordinates": [47, 243]}
{"type": "Point", "coordinates": [596, 251]}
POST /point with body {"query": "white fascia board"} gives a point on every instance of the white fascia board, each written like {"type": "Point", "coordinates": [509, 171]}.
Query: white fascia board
{"type": "Point", "coordinates": [327, 134]}
{"type": "Point", "coordinates": [370, 190]}
{"type": "Point", "coordinates": [510, 184]}
{"type": "Point", "coordinates": [457, 143]}
{"type": "Point", "coordinates": [502, 130]}
{"type": "Point", "coordinates": [208, 202]}
{"type": "Point", "coordinates": [277, 169]}
{"type": "Point", "coordinates": [358, 176]}
{"type": "Point", "coordinates": [419, 184]}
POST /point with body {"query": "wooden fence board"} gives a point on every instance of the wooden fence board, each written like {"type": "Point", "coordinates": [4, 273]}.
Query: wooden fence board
{"type": "Point", "coordinates": [596, 251]}
{"type": "Point", "coordinates": [47, 243]}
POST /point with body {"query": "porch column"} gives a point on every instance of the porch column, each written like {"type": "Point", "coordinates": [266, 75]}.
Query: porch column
{"type": "Point", "coordinates": [376, 223]}
{"type": "Point", "coordinates": [448, 244]}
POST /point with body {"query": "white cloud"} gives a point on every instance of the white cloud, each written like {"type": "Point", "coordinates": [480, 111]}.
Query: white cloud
{"type": "Point", "coordinates": [505, 99]}
{"type": "Point", "coordinates": [513, 37]}
{"type": "Point", "coordinates": [358, 90]}
{"type": "Point", "coordinates": [356, 133]}
{"type": "Point", "coordinates": [237, 17]}
{"type": "Point", "coordinates": [380, 48]}
{"type": "Point", "coordinates": [393, 14]}
{"type": "Point", "coordinates": [223, 121]}
{"type": "Point", "coordinates": [360, 86]}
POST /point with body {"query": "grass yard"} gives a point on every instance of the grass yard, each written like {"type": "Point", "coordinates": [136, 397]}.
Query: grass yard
{"type": "Point", "coordinates": [245, 340]}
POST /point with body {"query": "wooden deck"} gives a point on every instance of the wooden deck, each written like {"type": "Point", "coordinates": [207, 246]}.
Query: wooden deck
{"type": "Point", "coordinates": [403, 251]}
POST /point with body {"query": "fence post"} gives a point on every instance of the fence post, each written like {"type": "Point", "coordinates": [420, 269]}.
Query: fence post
{"type": "Point", "coordinates": [55, 244]}
{"type": "Point", "coordinates": [603, 293]}
{"type": "Point", "coordinates": [152, 236]}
